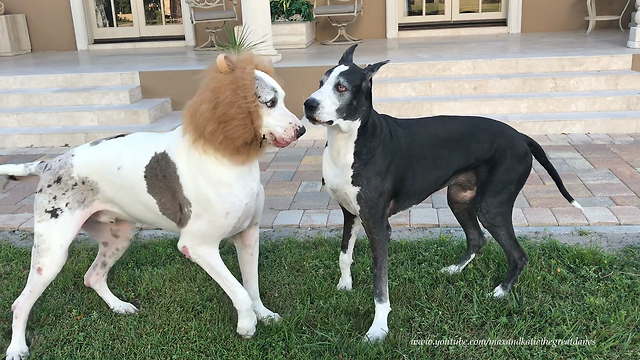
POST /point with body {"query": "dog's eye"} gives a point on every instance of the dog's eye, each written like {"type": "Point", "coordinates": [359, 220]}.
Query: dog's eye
{"type": "Point", "coordinates": [341, 88]}
{"type": "Point", "coordinates": [271, 103]}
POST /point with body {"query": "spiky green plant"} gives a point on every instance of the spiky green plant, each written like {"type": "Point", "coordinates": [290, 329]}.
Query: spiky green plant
{"type": "Point", "coordinates": [240, 40]}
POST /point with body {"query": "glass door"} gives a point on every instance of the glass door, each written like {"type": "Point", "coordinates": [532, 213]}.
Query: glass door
{"type": "Point", "coordinates": [160, 17]}
{"type": "Point", "coordinates": [116, 19]}
{"type": "Point", "coordinates": [421, 11]}
{"type": "Point", "coordinates": [479, 10]}
{"type": "Point", "coordinates": [412, 11]}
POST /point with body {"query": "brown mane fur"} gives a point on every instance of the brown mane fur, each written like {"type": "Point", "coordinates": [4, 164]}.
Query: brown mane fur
{"type": "Point", "coordinates": [224, 115]}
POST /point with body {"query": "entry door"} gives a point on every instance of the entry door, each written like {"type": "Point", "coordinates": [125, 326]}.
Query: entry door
{"type": "Point", "coordinates": [135, 18]}
{"type": "Point", "coordinates": [420, 11]}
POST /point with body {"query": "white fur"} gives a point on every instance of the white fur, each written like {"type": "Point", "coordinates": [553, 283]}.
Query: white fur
{"type": "Point", "coordinates": [337, 164]}
{"type": "Point", "coordinates": [379, 329]}
{"type": "Point", "coordinates": [454, 269]}
{"type": "Point", "coordinates": [346, 259]}
{"type": "Point", "coordinates": [226, 202]}
{"type": "Point", "coordinates": [279, 125]}
{"type": "Point", "coordinates": [498, 292]}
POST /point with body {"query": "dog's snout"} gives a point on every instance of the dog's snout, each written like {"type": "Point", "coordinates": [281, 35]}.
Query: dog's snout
{"type": "Point", "coordinates": [300, 131]}
{"type": "Point", "coordinates": [311, 105]}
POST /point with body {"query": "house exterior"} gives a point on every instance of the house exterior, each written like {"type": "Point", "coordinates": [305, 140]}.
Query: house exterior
{"type": "Point", "coordinates": [67, 25]}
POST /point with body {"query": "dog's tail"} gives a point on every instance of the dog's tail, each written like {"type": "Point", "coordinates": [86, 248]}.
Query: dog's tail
{"type": "Point", "coordinates": [16, 171]}
{"type": "Point", "coordinates": [541, 156]}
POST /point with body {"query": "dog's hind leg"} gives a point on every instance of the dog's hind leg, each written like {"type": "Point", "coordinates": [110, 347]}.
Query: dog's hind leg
{"type": "Point", "coordinates": [113, 239]}
{"type": "Point", "coordinates": [461, 200]}
{"type": "Point", "coordinates": [52, 237]}
{"type": "Point", "coordinates": [495, 205]}
{"type": "Point", "coordinates": [248, 247]}
{"type": "Point", "coordinates": [352, 226]}
{"type": "Point", "coordinates": [202, 249]}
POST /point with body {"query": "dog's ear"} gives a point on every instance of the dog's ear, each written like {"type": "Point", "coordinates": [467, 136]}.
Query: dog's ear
{"type": "Point", "coordinates": [225, 64]}
{"type": "Point", "coordinates": [371, 70]}
{"type": "Point", "coordinates": [347, 57]}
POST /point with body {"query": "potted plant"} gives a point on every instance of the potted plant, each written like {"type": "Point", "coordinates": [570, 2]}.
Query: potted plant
{"type": "Point", "coordinates": [293, 25]}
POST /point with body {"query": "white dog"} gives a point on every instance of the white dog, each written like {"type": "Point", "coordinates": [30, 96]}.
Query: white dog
{"type": "Point", "coordinates": [201, 181]}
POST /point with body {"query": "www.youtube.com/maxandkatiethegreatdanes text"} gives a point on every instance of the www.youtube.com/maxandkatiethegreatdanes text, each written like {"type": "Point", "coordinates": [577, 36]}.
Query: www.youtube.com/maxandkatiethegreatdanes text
{"type": "Point", "coordinates": [505, 342]}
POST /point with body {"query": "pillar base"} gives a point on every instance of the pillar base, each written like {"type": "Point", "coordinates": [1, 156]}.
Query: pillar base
{"type": "Point", "coordinates": [634, 38]}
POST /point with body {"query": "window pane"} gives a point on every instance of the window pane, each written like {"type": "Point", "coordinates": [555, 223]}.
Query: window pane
{"type": "Point", "coordinates": [469, 6]}
{"type": "Point", "coordinates": [491, 6]}
{"type": "Point", "coordinates": [123, 12]}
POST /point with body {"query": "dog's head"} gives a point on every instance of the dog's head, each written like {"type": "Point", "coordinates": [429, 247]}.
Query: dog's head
{"type": "Point", "coordinates": [240, 108]}
{"type": "Point", "coordinates": [344, 94]}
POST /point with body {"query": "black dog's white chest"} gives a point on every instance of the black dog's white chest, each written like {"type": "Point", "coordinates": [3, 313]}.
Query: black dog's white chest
{"type": "Point", "coordinates": [337, 169]}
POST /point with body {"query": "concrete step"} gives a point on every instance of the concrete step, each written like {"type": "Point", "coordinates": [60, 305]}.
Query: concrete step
{"type": "Point", "coordinates": [506, 66]}
{"type": "Point", "coordinates": [515, 103]}
{"type": "Point", "coordinates": [507, 83]}
{"type": "Point", "coordinates": [144, 111]}
{"type": "Point", "coordinates": [611, 122]}
{"type": "Point", "coordinates": [69, 80]}
{"type": "Point", "coordinates": [70, 96]}
{"type": "Point", "coordinates": [78, 135]}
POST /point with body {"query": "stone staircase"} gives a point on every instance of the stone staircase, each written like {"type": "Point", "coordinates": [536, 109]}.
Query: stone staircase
{"type": "Point", "coordinates": [579, 94]}
{"type": "Point", "coordinates": [72, 109]}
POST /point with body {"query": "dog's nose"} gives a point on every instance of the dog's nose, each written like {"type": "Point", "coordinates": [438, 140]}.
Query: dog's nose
{"type": "Point", "coordinates": [311, 105]}
{"type": "Point", "coordinates": [300, 131]}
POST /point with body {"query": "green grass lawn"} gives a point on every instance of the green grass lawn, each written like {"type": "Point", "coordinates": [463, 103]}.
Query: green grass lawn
{"type": "Point", "coordinates": [566, 293]}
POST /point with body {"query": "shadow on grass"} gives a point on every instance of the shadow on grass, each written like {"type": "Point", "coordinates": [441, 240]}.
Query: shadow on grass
{"type": "Point", "coordinates": [566, 293]}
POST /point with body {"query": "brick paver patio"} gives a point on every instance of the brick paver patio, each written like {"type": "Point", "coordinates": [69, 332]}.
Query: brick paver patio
{"type": "Point", "coordinates": [601, 171]}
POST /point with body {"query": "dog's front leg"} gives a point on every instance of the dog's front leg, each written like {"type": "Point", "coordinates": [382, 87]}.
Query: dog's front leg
{"type": "Point", "coordinates": [379, 232]}
{"type": "Point", "coordinates": [204, 252]}
{"type": "Point", "coordinates": [248, 247]}
{"type": "Point", "coordinates": [352, 225]}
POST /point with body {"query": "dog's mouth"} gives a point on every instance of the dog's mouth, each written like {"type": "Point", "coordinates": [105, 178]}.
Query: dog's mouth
{"type": "Point", "coordinates": [273, 140]}
{"type": "Point", "coordinates": [315, 121]}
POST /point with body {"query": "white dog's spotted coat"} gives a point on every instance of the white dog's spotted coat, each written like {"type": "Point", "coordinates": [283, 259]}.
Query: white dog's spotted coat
{"type": "Point", "coordinates": [159, 179]}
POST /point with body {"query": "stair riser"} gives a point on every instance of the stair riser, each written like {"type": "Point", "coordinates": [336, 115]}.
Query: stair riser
{"type": "Point", "coordinates": [84, 118]}
{"type": "Point", "coordinates": [509, 106]}
{"type": "Point", "coordinates": [505, 66]}
{"type": "Point", "coordinates": [610, 126]}
{"type": "Point", "coordinates": [71, 99]}
{"type": "Point", "coordinates": [68, 80]}
{"type": "Point", "coordinates": [516, 85]}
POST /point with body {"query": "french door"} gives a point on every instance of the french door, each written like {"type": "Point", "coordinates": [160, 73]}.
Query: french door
{"type": "Point", "coordinates": [419, 11]}
{"type": "Point", "coordinates": [135, 18]}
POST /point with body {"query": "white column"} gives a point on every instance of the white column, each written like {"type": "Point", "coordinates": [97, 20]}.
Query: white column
{"type": "Point", "coordinates": [514, 16]}
{"type": "Point", "coordinates": [392, 18]}
{"type": "Point", "coordinates": [256, 20]}
{"type": "Point", "coordinates": [634, 32]}
{"type": "Point", "coordinates": [80, 27]}
{"type": "Point", "coordinates": [189, 30]}
{"type": "Point", "coordinates": [633, 16]}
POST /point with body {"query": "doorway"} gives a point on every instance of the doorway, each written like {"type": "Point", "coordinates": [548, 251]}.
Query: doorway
{"type": "Point", "coordinates": [450, 11]}
{"type": "Point", "coordinates": [135, 19]}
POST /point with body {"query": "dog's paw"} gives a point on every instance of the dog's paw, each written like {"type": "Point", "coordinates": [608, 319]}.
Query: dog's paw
{"type": "Point", "coordinates": [247, 324]}
{"type": "Point", "coordinates": [267, 316]}
{"type": "Point", "coordinates": [451, 269]}
{"type": "Point", "coordinates": [124, 308]}
{"type": "Point", "coordinates": [344, 284]}
{"type": "Point", "coordinates": [17, 352]}
{"type": "Point", "coordinates": [375, 335]}
{"type": "Point", "coordinates": [498, 292]}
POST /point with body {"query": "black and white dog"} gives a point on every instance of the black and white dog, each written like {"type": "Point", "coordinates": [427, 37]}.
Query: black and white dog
{"type": "Point", "coordinates": [375, 166]}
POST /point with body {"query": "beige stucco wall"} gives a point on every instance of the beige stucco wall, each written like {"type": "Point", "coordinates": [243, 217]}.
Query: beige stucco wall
{"type": "Point", "coordinates": [568, 15]}
{"type": "Point", "coordinates": [49, 22]}
{"type": "Point", "coordinates": [185, 83]}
